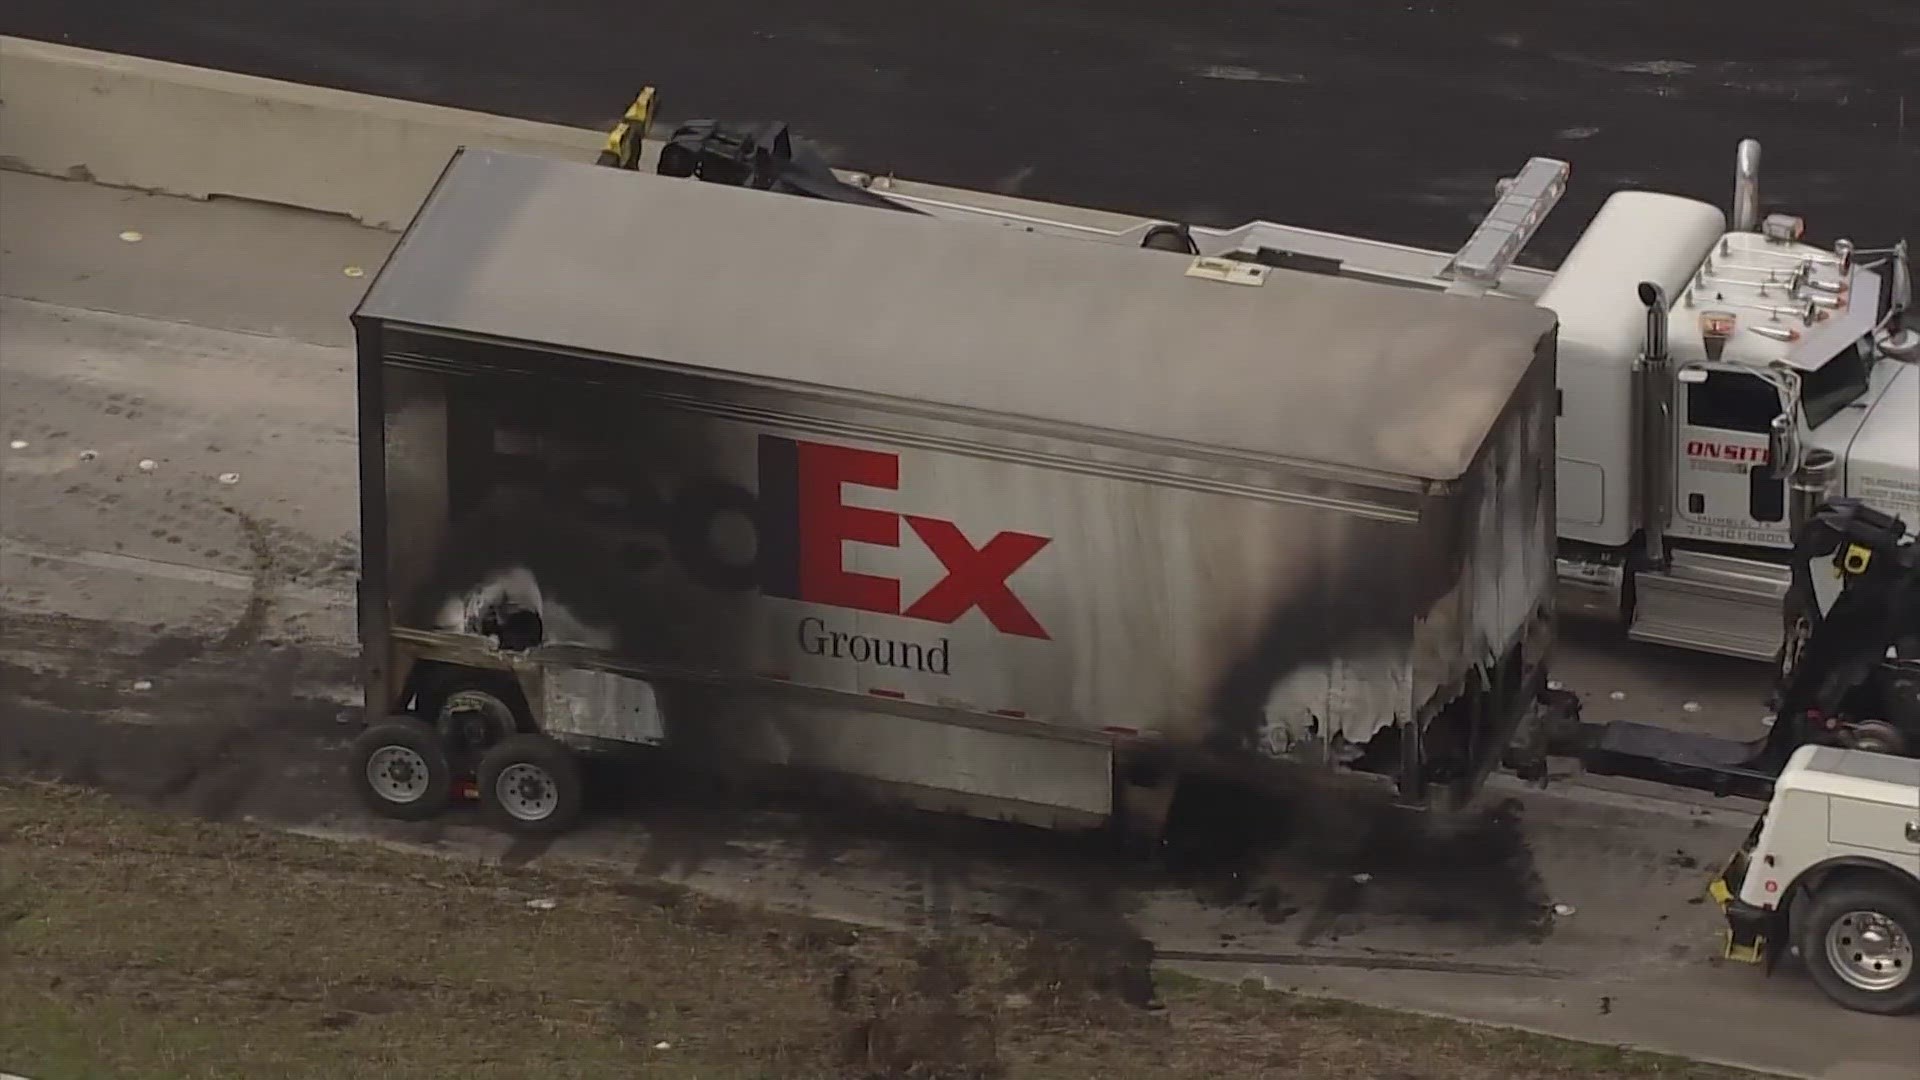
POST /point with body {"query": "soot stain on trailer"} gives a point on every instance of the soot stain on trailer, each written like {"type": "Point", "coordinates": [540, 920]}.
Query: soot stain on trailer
{"type": "Point", "coordinates": [1353, 595]}
{"type": "Point", "coordinates": [560, 525]}
{"type": "Point", "coordinates": [555, 521]}
{"type": "Point", "coordinates": [526, 539]}
{"type": "Point", "coordinates": [1371, 584]}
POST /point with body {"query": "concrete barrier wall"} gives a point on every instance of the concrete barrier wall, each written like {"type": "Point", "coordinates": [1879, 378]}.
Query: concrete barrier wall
{"type": "Point", "coordinates": [131, 122]}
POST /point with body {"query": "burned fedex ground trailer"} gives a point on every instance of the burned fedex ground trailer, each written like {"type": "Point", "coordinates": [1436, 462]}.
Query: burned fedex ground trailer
{"type": "Point", "coordinates": [999, 523]}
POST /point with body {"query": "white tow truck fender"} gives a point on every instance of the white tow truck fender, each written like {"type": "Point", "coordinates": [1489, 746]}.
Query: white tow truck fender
{"type": "Point", "coordinates": [1832, 871]}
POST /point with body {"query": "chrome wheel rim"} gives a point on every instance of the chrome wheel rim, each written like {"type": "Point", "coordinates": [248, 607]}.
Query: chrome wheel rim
{"type": "Point", "coordinates": [1869, 951]}
{"type": "Point", "coordinates": [527, 792]}
{"type": "Point", "coordinates": [398, 774]}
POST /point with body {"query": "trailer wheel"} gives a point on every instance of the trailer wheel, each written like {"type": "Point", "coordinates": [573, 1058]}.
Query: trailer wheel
{"type": "Point", "coordinates": [399, 768]}
{"type": "Point", "coordinates": [472, 711]}
{"type": "Point", "coordinates": [1858, 939]}
{"type": "Point", "coordinates": [531, 784]}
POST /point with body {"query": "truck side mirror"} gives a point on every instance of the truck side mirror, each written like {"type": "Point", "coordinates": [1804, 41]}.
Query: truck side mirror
{"type": "Point", "coordinates": [1783, 449]}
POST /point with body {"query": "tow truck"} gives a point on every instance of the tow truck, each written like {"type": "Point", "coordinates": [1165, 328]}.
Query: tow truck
{"type": "Point", "coordinates": [1713, 369]}
{"type": "Point", "coordinates": [1831, 872]}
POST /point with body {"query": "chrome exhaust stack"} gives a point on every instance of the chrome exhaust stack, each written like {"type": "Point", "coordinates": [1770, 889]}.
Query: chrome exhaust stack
{"type": "Point", "coordinates": [1746, 186]}
{"type": "Point", "coordinates": [1811, 485]}
{"type": "Point", "coordinates": [1654, 299]}
{"type": "Point", "coordinates": [1655, 393]}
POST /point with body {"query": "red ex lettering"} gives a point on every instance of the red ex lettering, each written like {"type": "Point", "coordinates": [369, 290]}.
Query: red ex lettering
{"type": "Point", "coordinates": [976, 578]}
{"type": "Point", "coordinates": [826, 524]}
{"type": "Point", "coordinates": [806, 522]}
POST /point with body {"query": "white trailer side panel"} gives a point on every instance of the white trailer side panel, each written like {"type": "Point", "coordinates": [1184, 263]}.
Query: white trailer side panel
{"type": "Point", "coordinates": [891, 564]}
{"type": "Point", "coordinates": [827, 472]}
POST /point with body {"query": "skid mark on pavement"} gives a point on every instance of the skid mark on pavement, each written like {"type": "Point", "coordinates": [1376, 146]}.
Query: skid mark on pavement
{"type": "Point", "coordinates": [183, 573]}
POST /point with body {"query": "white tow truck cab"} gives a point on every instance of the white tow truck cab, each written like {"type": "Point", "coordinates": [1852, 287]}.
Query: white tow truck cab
{"type": "Point", "coordinates": [1831, 871]}
{"type": "Point", "coordinates": [1773, 368]}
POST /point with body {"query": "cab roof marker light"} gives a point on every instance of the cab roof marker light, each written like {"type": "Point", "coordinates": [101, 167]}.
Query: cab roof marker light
{"type": "Point", "coordinates": [1783, 228]}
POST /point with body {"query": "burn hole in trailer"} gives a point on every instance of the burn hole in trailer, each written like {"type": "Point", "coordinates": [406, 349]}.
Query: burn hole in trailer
{"type": "Point", "coordinates": [1462, 740]}
{"type": "Point", "coordinates": [558, 526]}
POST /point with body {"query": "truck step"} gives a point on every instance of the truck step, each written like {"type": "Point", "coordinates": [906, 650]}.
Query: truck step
{"type": "Point", "coordinates": [1714, 603]}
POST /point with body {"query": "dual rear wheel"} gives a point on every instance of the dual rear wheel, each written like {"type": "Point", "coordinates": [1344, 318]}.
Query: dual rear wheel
{"type": "Point", "coordinates": [404, 768]}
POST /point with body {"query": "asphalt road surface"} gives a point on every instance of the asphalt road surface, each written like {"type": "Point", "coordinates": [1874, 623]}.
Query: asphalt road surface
{"type": "Point", "coordinates": [1385, 120]}
{"type": "Point", "coordinates": [182, 635]}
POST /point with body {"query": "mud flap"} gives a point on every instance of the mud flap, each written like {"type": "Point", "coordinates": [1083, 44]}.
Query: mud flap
{"type": "Point", "coordinates": [1749, 929]}
{"type": "Point", "coordinates": [1746, 941]}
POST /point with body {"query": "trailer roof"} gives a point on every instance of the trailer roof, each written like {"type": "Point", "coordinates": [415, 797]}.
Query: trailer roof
{"type": "Point", "coordinates": [769, 287]}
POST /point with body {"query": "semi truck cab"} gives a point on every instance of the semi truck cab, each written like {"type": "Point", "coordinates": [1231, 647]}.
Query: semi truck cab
{"type": "Point", "coordinates": [1784, 390]}
{"type": "Point", "coordinates": [1764, 376]}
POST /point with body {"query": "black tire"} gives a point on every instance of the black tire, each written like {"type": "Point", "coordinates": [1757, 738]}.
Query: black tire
{"type": "Point", "coordinates": [396, 757]}
{"type": "Point", "coordinates": [1832, 910]}
{"type": "Point", "coordinates": [472, 711]}
{"type": "Point", "coordinates": [531, 785]}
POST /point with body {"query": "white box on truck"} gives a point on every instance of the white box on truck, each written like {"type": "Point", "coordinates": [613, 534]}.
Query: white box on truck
{"type": "Point", "coordinates": [988, 518]}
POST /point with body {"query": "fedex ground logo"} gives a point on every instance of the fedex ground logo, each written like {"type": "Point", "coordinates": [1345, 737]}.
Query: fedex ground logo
{"type": "Point", "coordinates": [806, 519]}
{"type": "Point", "coordinates": [814, 500]}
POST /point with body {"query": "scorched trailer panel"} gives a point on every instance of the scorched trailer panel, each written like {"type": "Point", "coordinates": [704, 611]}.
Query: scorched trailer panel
{"type": "Point", "coordinates": [857, 491]}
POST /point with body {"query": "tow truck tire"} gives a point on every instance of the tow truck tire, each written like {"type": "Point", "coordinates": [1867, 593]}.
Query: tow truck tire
{"type": "Point", "coordinates": [1858, 939]}
{"type": "Point", "coordinates": [399, 769]}
{"type": "Point", "coordinates": [531, 785]}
